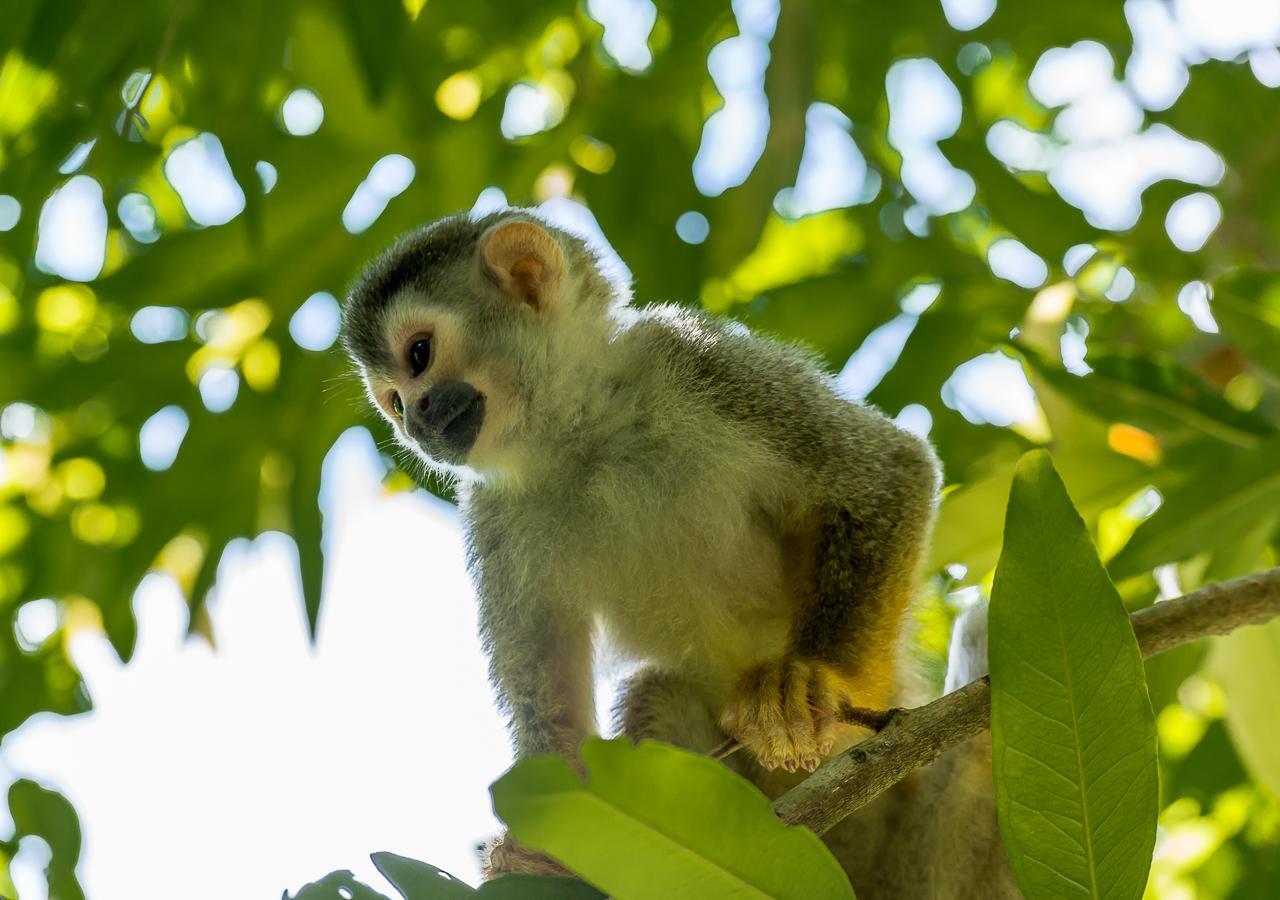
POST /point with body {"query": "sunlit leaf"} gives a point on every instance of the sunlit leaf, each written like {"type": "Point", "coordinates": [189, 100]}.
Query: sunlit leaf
{"type": "Point", "coordinates": [652, 820]}
{"type": "Point", "coordinates": [1073, 735]}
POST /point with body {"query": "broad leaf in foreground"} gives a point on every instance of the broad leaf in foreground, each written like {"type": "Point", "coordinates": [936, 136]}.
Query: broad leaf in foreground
{"type": "Point", "coordinates": [421, 881]}
{"type": "Point", "coordinates": [656, 821]}
{"type": "Point", "coordinates": [336, 886]}
{"type": "Point", "coordinates": [1073, 734]}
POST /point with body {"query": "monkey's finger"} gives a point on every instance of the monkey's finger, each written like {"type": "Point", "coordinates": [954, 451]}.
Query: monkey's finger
{"type": "Point", "coordinates": [726, 748]}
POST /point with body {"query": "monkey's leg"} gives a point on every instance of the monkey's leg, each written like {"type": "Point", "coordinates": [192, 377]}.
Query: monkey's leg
{"type": "Point", "coordinates": [664, 706]}
{"type": "Point", "coordinates": [843, 645]}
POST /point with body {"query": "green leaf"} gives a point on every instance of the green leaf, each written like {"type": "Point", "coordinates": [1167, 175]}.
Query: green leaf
{"type": "Point", "coordinates": [537, 887]}
{"type": "Point", "coordinates": [656, 821]}
{"type": "Point", "coordinates": [378, 28]}
{"type": "Point", "coordinates": [1247, 665]}
{"type": "Point", "coordinates": [1074, 740]}
{"type": "Point", "coordinates": [40, 811]}
{"type": "Point", "coordinates": [336, 886]}
{"type": "Point", "coordinates": [1206, 512]}
{"type": "Point", "coordinates": [418, 880]}
{"type": "Point", "coordinates": [1159, 396]}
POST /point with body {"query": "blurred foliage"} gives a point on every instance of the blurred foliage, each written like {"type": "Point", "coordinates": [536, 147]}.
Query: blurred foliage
{"type": "Point", "coordinates": [100, 91]}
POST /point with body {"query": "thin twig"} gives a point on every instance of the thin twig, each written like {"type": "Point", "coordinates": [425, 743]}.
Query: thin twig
{"type": "Point", "coordinates": [913, 738]}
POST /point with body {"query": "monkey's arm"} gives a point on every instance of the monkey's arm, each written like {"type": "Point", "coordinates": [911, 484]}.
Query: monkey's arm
{"type": "Point", "coordinates": [540, 664]}
{"type": "Point", "coordinates": [850, 602]}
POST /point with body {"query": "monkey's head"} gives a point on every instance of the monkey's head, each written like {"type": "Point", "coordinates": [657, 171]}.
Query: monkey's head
{"type": "Point", "coordinates": [477, 337]}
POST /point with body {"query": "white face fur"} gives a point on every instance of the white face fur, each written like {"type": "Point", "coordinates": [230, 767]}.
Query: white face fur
{"type": "Point", "coordinates": [400, 393]}
{"type": "Point", "coordinates": [490, 366]}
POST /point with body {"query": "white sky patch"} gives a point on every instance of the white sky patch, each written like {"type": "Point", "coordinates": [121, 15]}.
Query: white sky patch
{"type": "Point", "coordinates": [1193, 300]}
{"type": "Point", "coordinates": [314, 325]}
{"type": "Point", "coordinates": [966, 15]}
{"type": "Point", "coordinates": [1073, 345]}
{"type": "Point", "coordinates": [78, 156]}
{"type": "Point", "coordinates": [35, 623]}
{"type": "Point", "coordinates": [1011, 260]}
{"type": "Point", "coordinates": [161, 437]}
{"type": "Point", "coordinates": [1226, 28]}
{"type": "Point", "coordinates": [991, 389]}
{"type": "Point", "coordinates": [491, 199]}
{"type": "Point", "coordinates": [72, 239]}
{"type": "Point", "coordinates": [1063, 75]}
{"type": "Point", "coordinates": [138, 215]}
{"type": "Point", "coordinates": [199, 172]}
{"type": "Point", "coordinates": [872, 361]}
{"type": "Point", "coordinates": [1018, 147]}
{"type": "Point", "coordinates": [219, 387]}
{"type": "Point", "coordinates": [27, 868]}
{"type": "Point", "coordinates": [529, 109]}
{"type": "Point", "coordinates": [1122, 286]}
{"type": "Point", "coordinates": [302, 113]}
{"type": "Point", "coordinates": [1075, 257]}
{"type": "Point", "coordinates": [733, 136]}
{"type": "Point", "coordinates": [10, 212]}
{"type": "Point", "coordinates": [924, 108]}
{"type": "Point", "coordinates": [1106, 181]}
{"type": "Point", "coordinates": [920, 297]}
{"type": "Point", "coordinates": [340, 750]}
{"type": "Point", "coordinates": [833, 173]}
{"type": "Point", "coordinates": [157, 324]}
{"type": "Point", "coordinates": [22, 422]}
{"type": "Point", "coordinates": [388, 179]}
{"type": "Point", "coordinates": [577, 219]}
{"type": "Point", "coordinates": [267, 174]}
{"type": "Point", "coordinates": [692, 227]}
{"type": "Point", "coordinates": [627, 25]}
{"type": "Point", "coordinates": [1192, 219]}
{"type": "Point", "coordinates": [915, 418]}
{"type": "Point", "coordinates": [1265, 63]}
{"type": "Point", "coordinates": [1157, 68]}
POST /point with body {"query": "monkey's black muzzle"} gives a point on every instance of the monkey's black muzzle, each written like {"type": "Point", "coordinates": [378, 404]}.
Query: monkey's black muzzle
{"type": "Point", "coordinates": [447, 420]}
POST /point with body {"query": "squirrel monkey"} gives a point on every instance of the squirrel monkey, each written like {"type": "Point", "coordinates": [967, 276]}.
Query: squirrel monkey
{"type": "Point", "coordinates": [657, 481]}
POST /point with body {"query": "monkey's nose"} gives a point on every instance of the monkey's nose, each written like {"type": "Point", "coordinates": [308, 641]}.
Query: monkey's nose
{"type": "Point", "coordinates": [445, 403]}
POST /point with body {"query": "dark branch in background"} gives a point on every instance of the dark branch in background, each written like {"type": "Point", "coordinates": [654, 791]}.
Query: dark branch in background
{"type": "Point", "coordinates": [912, 738]}
{"type": "Point", "coordinates": [132, 113]}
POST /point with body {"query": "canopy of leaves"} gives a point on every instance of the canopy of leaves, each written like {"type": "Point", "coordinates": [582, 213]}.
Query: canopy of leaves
{"type": "Point", "coordinates": [179, 179]}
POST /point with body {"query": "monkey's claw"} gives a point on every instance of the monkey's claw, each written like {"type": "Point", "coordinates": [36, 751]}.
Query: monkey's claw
{"type": "Point", "coordinates": [787, 712]}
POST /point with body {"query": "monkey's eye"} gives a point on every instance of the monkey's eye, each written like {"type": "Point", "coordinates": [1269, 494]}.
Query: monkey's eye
{"type": "Point", "coordinates": [397, 405]}
{"type": "Point", "coordinates": [420, 355]}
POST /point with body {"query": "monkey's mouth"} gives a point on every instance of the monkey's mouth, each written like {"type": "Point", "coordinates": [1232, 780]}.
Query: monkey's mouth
{"type": "Point", "coordinates": [459, 434]}
{"type": "Point", "coordinates": [448, 420]}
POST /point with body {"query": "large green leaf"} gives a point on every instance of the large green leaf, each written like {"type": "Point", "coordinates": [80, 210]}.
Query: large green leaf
{"type": "Point", "coordinates": [656, 821]}
{"type": "Point", "coordinates": [1206, 512]}
{"type": "Point", "coordinates": [1074, 752]}
{"type": "Point", "coordinates": [422, 881]}
{"type": "Point", "coordinates": [336, 886]}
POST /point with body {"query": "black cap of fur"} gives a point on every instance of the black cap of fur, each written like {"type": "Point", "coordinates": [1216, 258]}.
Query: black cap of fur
{"type": "Point", "coordinates": [415, 262]}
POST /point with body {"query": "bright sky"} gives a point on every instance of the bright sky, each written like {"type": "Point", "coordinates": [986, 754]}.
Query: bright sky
{"type": "Point", "coordinates": [267, 763]}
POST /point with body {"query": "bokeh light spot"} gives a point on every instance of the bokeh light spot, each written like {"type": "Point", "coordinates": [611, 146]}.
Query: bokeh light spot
{"type": "Point", "coordinates": [314, 326]}
{"type": "Point", "coordinates": [302, 112]}
{"type": "Point", "coordinates": [161, 437]}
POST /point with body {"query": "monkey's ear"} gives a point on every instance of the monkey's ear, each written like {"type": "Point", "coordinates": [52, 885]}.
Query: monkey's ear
{"type": "Point", "coordinates": [526, 261]}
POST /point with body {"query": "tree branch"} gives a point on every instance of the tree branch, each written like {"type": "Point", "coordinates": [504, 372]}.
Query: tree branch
{"type": "Point", "coordinates": [913, 738]}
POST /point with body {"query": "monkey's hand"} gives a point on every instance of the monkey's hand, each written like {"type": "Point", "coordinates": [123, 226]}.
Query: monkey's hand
{"type": "Point", "coordinates": [504, 856]}
{"type": "Point", "coordinates": [786, 711]}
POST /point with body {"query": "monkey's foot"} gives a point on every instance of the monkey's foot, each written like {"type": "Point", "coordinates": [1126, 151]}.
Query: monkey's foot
{"type": "Point", "coordinates": [504, 856]}
{"type": "Point", "coordinates": [786, 711]}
